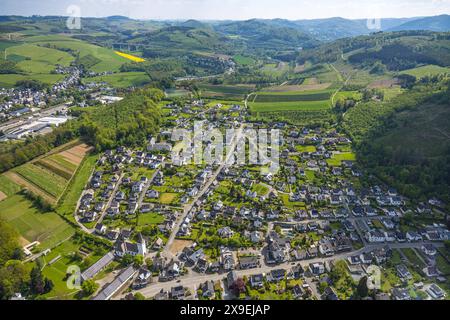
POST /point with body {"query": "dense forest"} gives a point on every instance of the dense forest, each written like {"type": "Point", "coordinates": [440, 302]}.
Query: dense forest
{"type": "Point", "coordinates": [404, 141]}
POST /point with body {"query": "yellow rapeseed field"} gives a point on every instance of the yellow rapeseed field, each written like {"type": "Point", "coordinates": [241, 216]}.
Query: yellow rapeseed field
{"type": "Point", "coordinates": [129, 56]}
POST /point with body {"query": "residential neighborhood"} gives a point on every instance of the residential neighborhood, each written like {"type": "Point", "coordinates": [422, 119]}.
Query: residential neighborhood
{"type": "Point", "coordinates": [258, 236]}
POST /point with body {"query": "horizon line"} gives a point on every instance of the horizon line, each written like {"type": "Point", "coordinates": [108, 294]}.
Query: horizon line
{"type": "Point", "coordinates": [212, 20]}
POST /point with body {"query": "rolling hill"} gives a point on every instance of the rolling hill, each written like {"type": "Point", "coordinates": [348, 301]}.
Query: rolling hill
{"type": "Point", "coordinates": [438, 23]}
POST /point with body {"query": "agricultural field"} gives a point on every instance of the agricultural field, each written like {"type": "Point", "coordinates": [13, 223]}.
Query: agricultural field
{"type": "Point", "coordinates": [429, 70]}
{"type": "Point", "coordinates": [122, 79]}
{"type": "Point", "coordinates": [232, 92]}
{"type": "Point", "coordinates": [292, 96]}
{"type": "Point", "coordinates": [289, 100]}
{"type": "Point", "coordinates": [33, 225]}
{"type": "Point", "coordinates": [37, 59]}
{"type": "Point", "coordinates": [10, 80]}
{"type": "Point", "coordinates": [106, 59]}
{"type": "Point", "coordinates": [49, 176]}
{"type": "Point", "coordinates": [129, 56]}
{"type": "Point", "coordinates": [8, 187]}
{"type": "Point", "coordinates": [175, 93]}
{"type": "Point", "coordinates": [44, 179]}
{"type": "Point", "coordinates": [289, 106]}
{"type": "Point", "coordinates": [275, 69]}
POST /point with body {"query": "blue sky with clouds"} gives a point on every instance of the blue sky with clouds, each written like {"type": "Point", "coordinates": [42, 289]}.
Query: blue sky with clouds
{"type": "Point", "coordinates": [231, 9]}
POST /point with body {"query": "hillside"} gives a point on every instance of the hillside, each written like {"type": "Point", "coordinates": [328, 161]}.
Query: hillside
{"type": "Point", "coordinates": [406, 141]}
{"type": "Point", "coordinates": [438, 23]}
{"type": "Point", "coordinates": [265, 34]}
{"type": "Point", "coordinates": [396, 50]}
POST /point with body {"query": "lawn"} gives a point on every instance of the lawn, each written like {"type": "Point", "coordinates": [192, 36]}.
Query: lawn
{"type": "Point", "coordinates": [260, 189]}
{"type": "Point", "coordinates": [337, 158]}
{"type": "Point", "coordinates": [442, 265]}
{"type": "Point", "coordinates": [413, 258]}
{"type": "Point", "coordinates": [292, 205]}
{"type": "Point", "coordinates": [150, 219]}
{"type": "Point", "coordinates": [168, 198]}
{"type": "Point", "coordinates": [57, 271]}
{"type": "Point", "coordinates": [33, 225]}
{"type": "Point", "coordinates": [302, 149]}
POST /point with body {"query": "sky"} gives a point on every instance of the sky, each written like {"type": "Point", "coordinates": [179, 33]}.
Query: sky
{"type": "Point", "coordinates": [228, 9]}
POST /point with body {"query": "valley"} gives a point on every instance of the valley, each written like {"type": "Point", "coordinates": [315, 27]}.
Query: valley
{"type": "Point", "coordinates": [89, 177]}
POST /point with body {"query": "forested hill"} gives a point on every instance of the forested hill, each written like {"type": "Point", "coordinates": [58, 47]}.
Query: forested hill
{"type": "Point", "coordinates": [406, 141]}
{"type": "Point", "coordinates": [396, 50]}
{"type": "Point", "coordinates": [129, 121]}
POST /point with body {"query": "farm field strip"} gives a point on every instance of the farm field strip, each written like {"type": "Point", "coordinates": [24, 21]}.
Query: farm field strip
{"type": "Point", "coordinates": [54, 167]}
{"type": "Point", "coordinates": [290, 106]}
{"type": "Point", "coordinates": [21, 181]}
{"type": "Point", "coordinates": [44, 179]}
{"type": "Point", "coordinates": [291, 96]}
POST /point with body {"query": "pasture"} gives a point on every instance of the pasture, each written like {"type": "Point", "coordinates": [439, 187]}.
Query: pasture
{"type": "Point", "coordinates": [38, 59]}
{"type": "Point", "coordinates": [108, 60]}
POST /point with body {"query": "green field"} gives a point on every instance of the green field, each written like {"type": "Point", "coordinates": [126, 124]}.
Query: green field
{"type": "Point", "coordinates": [60, 160]}
{"type": "Point", "coordinates": [150, 219]}
{"type": "Point", "coordinates": [108, 60]}
{"type": "Point", "coordinates": [337, 158]}
{"type": "Point", "coordinates": [32, 224]}
{"type": "Point", "coordinates": [69, 200]}
{"type": "Point", "coordinates": [10, 80]}
{"type": "Point", "coordinates": [39, 59]}
{"type": "Point", "coordinates": [44, 179]}
{"type": "Point", "coordinates": [292, 96]}
{"type": "Point", "coordinates": [290, 106]}
{"type": "Point", "coordinates": [243, 60]}
{"type": "Point", "coordinates": [122, 79]}
{"type": "Point", "coordinates": [424, 71]}
{"type": "Point", "coordinates": [8, 187]}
